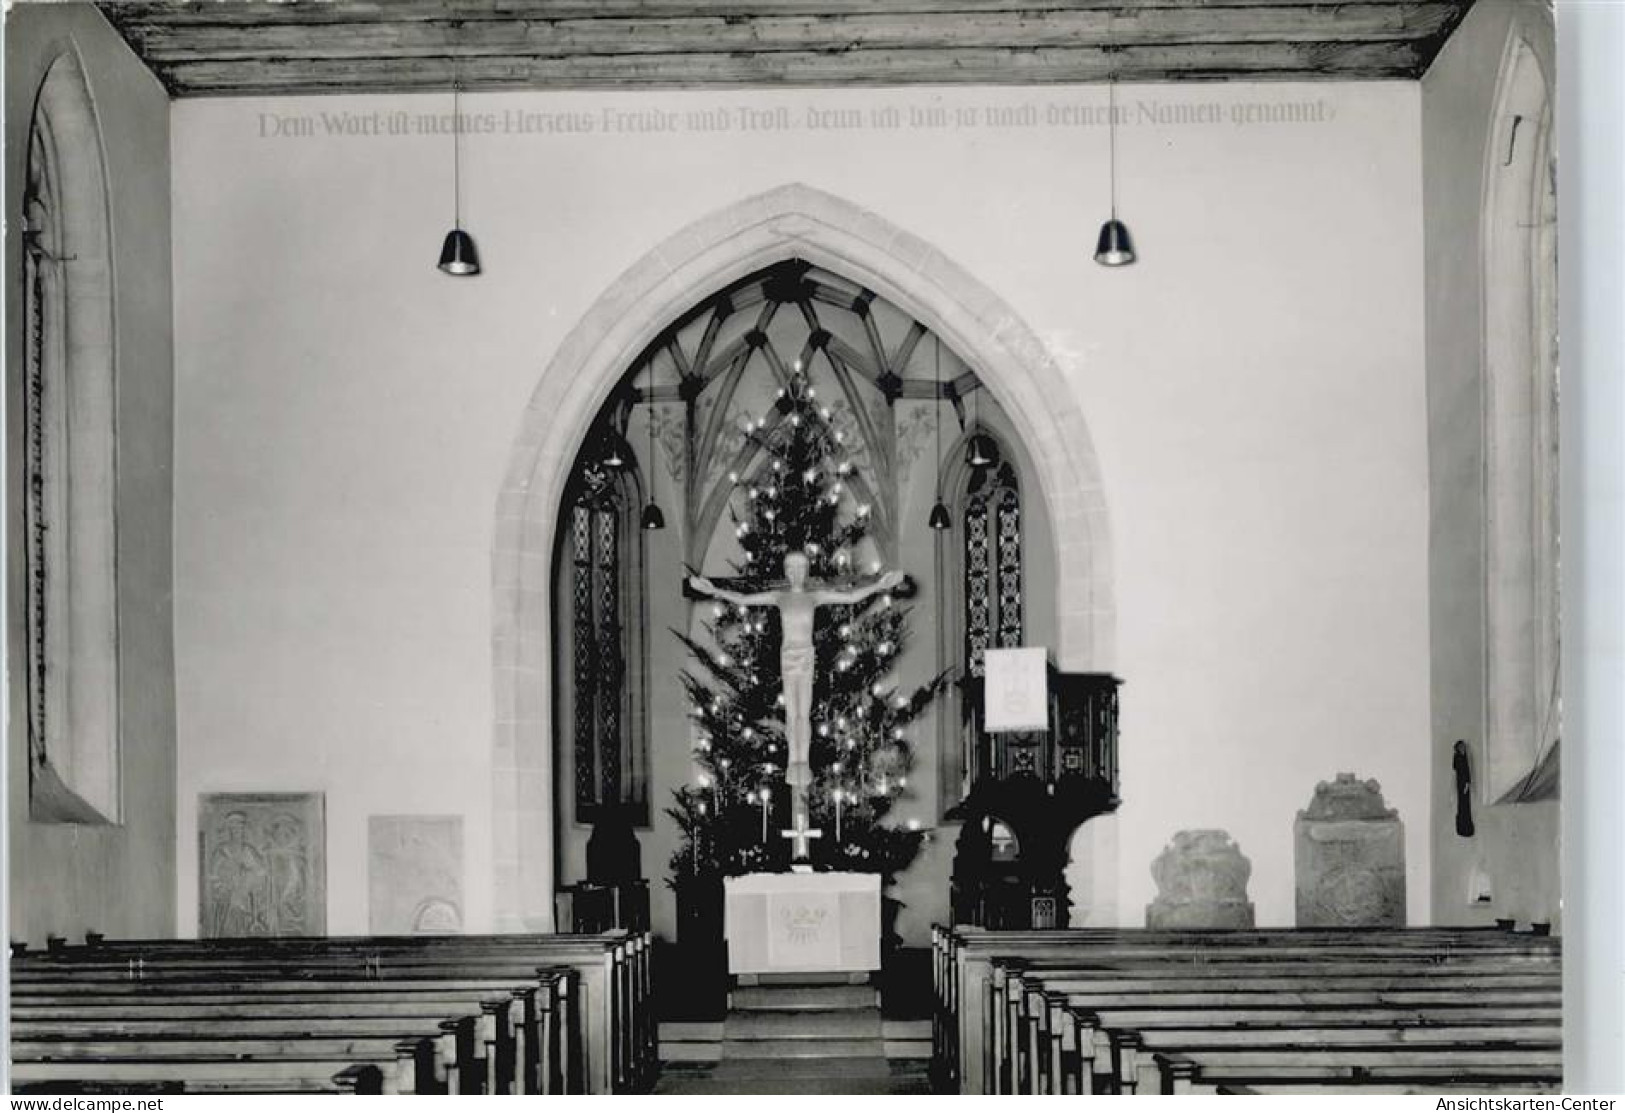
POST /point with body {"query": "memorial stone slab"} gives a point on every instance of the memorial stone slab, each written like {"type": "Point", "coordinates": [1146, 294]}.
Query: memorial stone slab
{"type": "Point", "coordinates": [1201, 883]}
{"type": "Point", "coordinates": [415, 874]}
{"type": "Point", "coordinates": [1349, 857]}
{"type": "Point", "coordinates": [263, 864]}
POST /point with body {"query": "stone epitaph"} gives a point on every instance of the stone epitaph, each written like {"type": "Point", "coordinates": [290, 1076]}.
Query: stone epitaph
{"type": "Point", "coordinates": [1350, 857]}
{"type": "Point", "coordinates": [1201, 883]}
{"type": "Point", "coordinates": [263, 865]}
{"type": "Point", "coordinates": [415, 874]}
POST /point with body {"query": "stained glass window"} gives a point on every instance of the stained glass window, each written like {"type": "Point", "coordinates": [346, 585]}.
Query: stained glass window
{"type": "Point", "coordinates": [993, 565]}
{"type": "Point", "coordinates": [608, 765]}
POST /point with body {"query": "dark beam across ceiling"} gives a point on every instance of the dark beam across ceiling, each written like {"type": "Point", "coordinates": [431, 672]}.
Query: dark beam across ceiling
{"type": "Point", "coordinates": [255, 47]}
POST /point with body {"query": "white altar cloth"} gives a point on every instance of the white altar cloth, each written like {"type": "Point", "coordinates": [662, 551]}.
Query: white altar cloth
{"type": "Point", "coordinates": [802, 923]}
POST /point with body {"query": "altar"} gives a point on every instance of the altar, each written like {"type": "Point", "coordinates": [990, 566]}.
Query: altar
{"type": "Point", "coordinates": [802, 923]}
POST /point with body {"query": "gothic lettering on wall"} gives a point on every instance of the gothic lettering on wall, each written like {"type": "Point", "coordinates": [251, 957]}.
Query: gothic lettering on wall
{"type": "Point", "coordinates": [263, 862]}
{"type": "Point", "coordinates": [415, 874]}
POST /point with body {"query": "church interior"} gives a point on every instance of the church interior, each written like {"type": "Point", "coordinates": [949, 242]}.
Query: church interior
{"type": "Point", "coordinates": [1177, 379]}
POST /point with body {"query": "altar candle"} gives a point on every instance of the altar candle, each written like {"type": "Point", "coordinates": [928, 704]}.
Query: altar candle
{"type": "Point", "coordinates": [837, 816]}
{"type": "Point", "coordinates": [764, 816]}
{"type": "Point", "coordinates": [697, 839]}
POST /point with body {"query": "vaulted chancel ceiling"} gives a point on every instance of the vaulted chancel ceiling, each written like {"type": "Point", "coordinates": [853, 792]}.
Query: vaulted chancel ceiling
{"type": "Point", "coordinates": [720, 367]}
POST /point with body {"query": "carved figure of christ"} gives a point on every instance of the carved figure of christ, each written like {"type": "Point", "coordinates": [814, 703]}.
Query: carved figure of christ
{"type": "Point", "coordinates": [797, 605]}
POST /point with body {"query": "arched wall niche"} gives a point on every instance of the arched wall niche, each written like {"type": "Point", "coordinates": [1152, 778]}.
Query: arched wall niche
{"type": "Point", "coordinates": [69, 471]}
{"type": "Point", "coordinates": [796, 221]}
{"type": "Point", "coordinates": [1521, 606]}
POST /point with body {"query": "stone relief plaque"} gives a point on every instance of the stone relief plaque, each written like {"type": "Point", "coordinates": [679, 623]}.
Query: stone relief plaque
{"type": "Point", "coordinates": [263, 865]}
{"type": "Point", "coordinates": [415, 874]}
{"type": "Point", "coordinates": [1350, 857]}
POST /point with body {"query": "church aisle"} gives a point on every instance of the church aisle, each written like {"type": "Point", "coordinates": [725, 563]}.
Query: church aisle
{"type": "Point", "coordinates": [800, 1039]}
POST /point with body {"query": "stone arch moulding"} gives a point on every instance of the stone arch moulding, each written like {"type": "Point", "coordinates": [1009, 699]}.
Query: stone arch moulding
{"type": "Point", "coordinates": [1518, 262]}
{"type": "Point", "coordinates": [791, 220]}
{"type": "Point", "coordinates": [73, 668]}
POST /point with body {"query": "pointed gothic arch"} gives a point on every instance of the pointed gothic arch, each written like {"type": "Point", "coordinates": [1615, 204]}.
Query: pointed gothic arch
{"type": "Point", "coordinates": [791, 221]}
{"type": "Point", "coordinates": [1521, 608]}
{"type": "Point", "coordinates": [68, 474]}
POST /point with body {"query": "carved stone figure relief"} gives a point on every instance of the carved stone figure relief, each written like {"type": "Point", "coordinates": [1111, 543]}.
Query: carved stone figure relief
{"type": "Point", "coordinates": [263, 864]}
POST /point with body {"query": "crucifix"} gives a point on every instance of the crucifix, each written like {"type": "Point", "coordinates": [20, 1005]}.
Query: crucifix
{"type": "Point", "coordinates": [796, 604]}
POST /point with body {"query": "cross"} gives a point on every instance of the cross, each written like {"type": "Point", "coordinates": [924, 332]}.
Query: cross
{"type": "Point", "coordinates": [801, 834]}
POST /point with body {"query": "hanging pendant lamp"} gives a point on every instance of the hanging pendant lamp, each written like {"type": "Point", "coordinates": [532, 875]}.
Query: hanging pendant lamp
{"type": "Point", "coordinates": [457, 255]}
{"type": "Point", "coordinates": [1114, 248]}
{"type": "Point", "coordinates": [653, 518]}
{"type": "Point", "coordinates": [940, 518]}
{"type": "Point", "coordinates": [980, 451]}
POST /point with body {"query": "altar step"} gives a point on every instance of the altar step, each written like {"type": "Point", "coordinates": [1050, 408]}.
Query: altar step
{"type": "Point", "coordinates": [832, 1076]}
{"type": "Point", "coordinates": [701, 1041]}
{"type": "Point", "coordinates": [790, 1023]}
{"type": "Point", "coordinates": [803, 1024]}
{"type": "Point", "coordinates": [797, 1038]}
{"type": "Point", "coordinates": [802, 996]}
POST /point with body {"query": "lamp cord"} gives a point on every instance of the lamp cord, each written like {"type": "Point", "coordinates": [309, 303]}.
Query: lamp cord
{"type": "Point", "coordinates": [456, 154]}
{"type": "Point", "coordinates": [1111, 123]}
{"type": "Point", "coordinates": [650, 421]}
{"type": "Point", "coordinates": [938, 413]}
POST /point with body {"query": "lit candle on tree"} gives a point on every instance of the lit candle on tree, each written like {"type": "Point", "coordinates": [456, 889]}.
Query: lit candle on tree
{"type": "Point", "coordinates": [836, 769]}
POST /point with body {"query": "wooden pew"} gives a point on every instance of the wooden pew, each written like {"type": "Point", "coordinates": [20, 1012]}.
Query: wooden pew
{"type": "Point", "coordinates": [1012, 1014]}
{"type": "Point", "coordinates": [969, 952]}
{"type": "Point", "coordinates": [509, 1027]}
{"type": "Point", "coordinates": [1025, 1045]}
{"type": "Point", "coordinates": [617, 1048]}
{"type": "Point", "coordinates": [620, 1042]}
{"type": "Point", "coordinates": [1011, 978]}
{"type": "Point", "coordinates": [968, 967]}
{"type": "Point", "coordinates": [1405, 1070]}
{"type": "Point", "coordinates": [512, 1044]}
{"type": "Point", "coordinates": [956, 973]}
{"type": "Point", "coordinates": [400, 1066]}
{"type": "Point", "coordinates": [1463, 1051]}
{"type": "Point", "coordinates": [1079, 1037]}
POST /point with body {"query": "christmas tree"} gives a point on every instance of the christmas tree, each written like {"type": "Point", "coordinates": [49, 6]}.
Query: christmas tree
{"type": "Point", "coordinates": [799, 498]}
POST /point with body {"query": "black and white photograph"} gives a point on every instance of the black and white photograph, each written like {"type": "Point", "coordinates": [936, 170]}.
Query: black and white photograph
{"type": "Point", "coordinates": [926, 547]}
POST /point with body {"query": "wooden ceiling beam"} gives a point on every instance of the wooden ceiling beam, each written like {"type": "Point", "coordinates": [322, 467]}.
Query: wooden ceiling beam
{"type": "Point", "coordinates": [161, 42]}
{"type": "Point", "coordinates": [269, 47]}
{"type": "Point", "coordinates": [1049, 65]}
{"type": "Point", "coordinates": [311, 12]}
